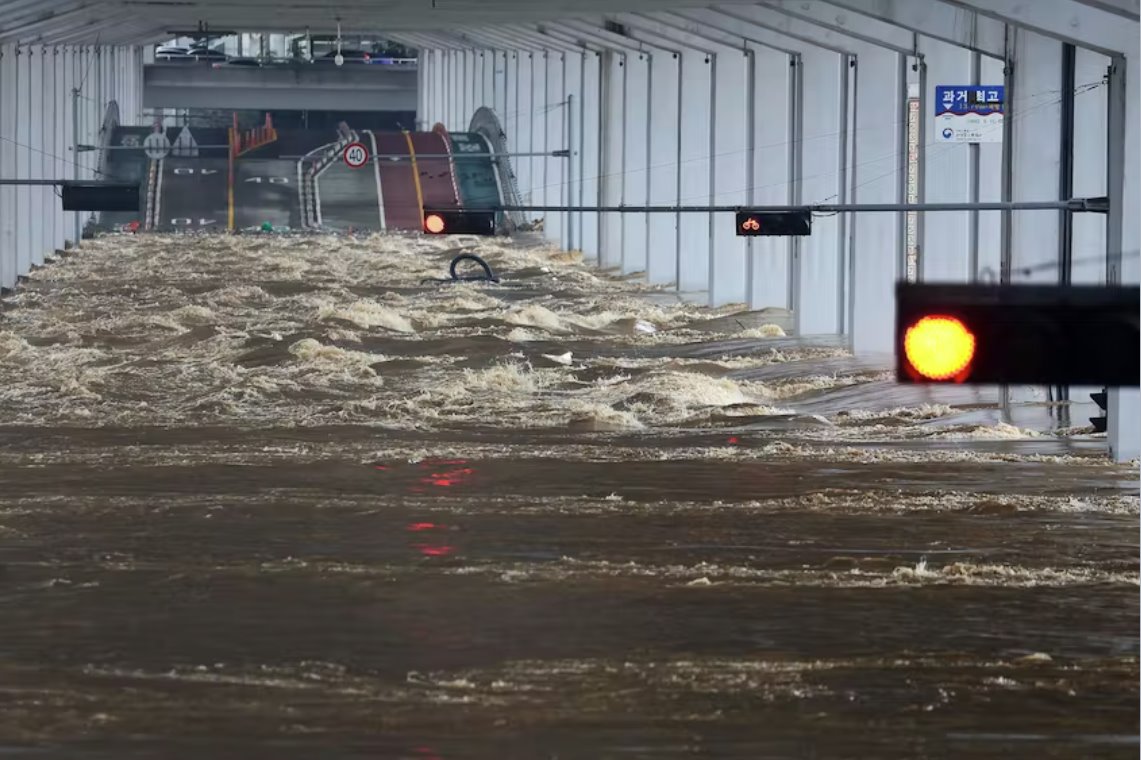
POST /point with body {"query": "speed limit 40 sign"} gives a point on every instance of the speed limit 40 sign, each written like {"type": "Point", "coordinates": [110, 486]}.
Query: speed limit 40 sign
{"type": "Point", "coordinates": [355, 155]}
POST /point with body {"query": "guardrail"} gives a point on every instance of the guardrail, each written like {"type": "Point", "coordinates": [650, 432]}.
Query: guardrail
{"type": "Point", "coordinates": [309, 168]}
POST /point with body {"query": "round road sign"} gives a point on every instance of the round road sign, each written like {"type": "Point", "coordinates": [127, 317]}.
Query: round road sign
{"type": "Point", "coordinates": [355, 155]}
{"type": "Point", "coordinates": [156, 146]}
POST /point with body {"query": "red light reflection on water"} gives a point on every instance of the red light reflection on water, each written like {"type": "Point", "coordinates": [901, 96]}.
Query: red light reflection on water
{"type": "Point", "coordinates": [440, 477]}
{"type": "Point", "coordinates": [430, 550]}
{"type": "Point", "coordinates": [434, 551]}
{"type": "Point", "coordinates": [442, 473]}
{"type": "Point", "coordinates": [449, 478]}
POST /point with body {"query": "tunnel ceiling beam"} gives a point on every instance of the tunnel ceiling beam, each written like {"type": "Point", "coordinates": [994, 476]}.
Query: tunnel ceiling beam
{"type": "Point", "coordinates": [506, 38]}
{"type": "Point", "coordinates": [432, 40]}
{"type": "Point", "coordinates": [974, 24]}
{"type": "Point", "coordinates": [812, 32]}
{"type": "Point", "coordinates": [716, 23]}
{"type": "Point", "coordinates": [514, 37]}
{"type": "Point", "coordinates": [853, 25]}
{"type": "Point", "coordinates": [958, 26]}
{"type": "Point", "coordinates": [647, 28]}
{"type": "Point", "coordinates": [583, 40]}
{"type": "Point", "coordinates": [498, 39]}
{"type": "Point", "coordinates": [470, 40]}
{"type": "Point", "coordinates": [17, 8]}
{"type": "Point", "coordinates": [23, 15]}
{"type": "Point", "coordinates": [1066, 20]}
{"type": "Point", "coordinates": [68, 16]}
{"type": "Point", "coordinates": [28, 19]}
{"type": "Point", "coordinates": [1130, 9]}
{"type": "Point", "coordinates": [49, 28]}
{"type": "Point", "coordinates": [117, 23]}
{"type": "Point", "coordinates": [534, 39]}
{"type": "Point", "coordinates": [612, 41]}
{"type": "Point", "coordinates": [425, 41]}
{"type": "Point", "coordinates": [579, 41]}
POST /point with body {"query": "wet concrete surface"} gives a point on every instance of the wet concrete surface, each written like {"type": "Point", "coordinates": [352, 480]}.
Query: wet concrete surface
{"type": "Point", "coordinates": [269, 497]}
{"type": "Point", "coordinates": [193, 194]}
{"type": "Point", "coordinates": [348, 197]}
{"type": "Point", "coordinates": [265, 190]}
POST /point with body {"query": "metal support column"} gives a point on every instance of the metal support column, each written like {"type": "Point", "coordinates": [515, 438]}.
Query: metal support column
{"type": "Point", "coordinates": [570, 236]}
{"type": "Point", "coordinates": [1061, 393]}
{"type": "Point", "coordinates": [1123, 426]}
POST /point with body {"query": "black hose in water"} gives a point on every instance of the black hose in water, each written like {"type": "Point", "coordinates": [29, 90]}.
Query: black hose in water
{"type": "Point", "coordinates": [487, 276]}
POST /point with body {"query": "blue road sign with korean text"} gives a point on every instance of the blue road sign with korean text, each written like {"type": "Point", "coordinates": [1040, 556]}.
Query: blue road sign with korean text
{"type": "Point", "coordinates": [969, 113]}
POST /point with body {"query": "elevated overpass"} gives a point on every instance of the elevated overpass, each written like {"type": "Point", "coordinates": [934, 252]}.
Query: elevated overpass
{"type": "Point", "coordinates": [312, 87]}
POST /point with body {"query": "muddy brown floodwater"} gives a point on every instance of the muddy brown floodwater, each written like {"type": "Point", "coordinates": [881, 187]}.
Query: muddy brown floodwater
{"type": "Point", "coordinates": [274, 497]}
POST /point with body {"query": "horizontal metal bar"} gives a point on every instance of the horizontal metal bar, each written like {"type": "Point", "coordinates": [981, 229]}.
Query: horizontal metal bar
{"type": "Point", "coordinates": [548, 154]}
{"type": "Point", "coordinates": [1077, 204]}
{"type": "Point", "coordinates": [1095, 205]}
{"type": "Point", "coordinates": [64, 182]}
{"type": "Point", "coordinates": [88, 148]}
{"type": "Point", "coordinates": [406, 157]}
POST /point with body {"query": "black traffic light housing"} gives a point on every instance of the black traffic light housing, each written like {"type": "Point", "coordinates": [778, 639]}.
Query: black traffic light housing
{"type": "Point", "coordinates": [757, 223]}
{"type": "Point", "coordinates": [1032, 334]}
{"type": "Point", "coordinates": [458, 222]}
{"type": "Point", "coordinates": [100, 196]}
{"type": "Point", "coordinates": [1100, 423]}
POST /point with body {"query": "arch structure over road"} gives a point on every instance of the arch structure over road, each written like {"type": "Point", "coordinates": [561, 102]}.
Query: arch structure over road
{"type": "Point", "coordinates": [643, 103]}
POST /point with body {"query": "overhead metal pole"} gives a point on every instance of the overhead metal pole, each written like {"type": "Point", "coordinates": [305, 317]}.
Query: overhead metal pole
{"type": "Point", "coordinates": [59, 182]}
{"type": "Point", "coordinates": [456, 156]}
{"type": "Point", "coordinates": [89, 148]}
{"type": "Point", "coordinates": [1091, 205]}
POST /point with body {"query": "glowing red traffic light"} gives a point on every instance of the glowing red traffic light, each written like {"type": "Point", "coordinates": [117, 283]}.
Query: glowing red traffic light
{"type": "Point", "coordinates": [939, 347]}
{"type": "Point", "coordinates": [757, 222]}
{"type": "Point", "coordinates": [434, 223]}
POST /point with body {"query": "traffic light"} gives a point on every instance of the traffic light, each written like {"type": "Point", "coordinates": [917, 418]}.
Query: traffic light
{"type": "Point", "coordinates": [100, 196]}
{"type": "Point", "coordinates": [752, 223]}
{"type": "Point", "coordinates": [1032, 334]}
{"type": "Point", "coordinates": [459, 222]}
{"type": "Point", "coordinates": [1101, 398]}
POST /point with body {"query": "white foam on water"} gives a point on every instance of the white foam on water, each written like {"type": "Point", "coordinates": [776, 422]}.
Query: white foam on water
{"type": "Point", "coordinates": [366, 313]}
{"type": "Point", "coordinates": [764, 331]}
{"type": "Point", "coordinates": [536, 316]}
{"type": "Point", "coordinates": [713, 574]}
{"type": "Point", "coordinates": [157, 329]}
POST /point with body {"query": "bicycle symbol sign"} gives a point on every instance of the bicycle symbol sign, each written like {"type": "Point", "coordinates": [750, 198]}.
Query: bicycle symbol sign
{"type": "Point", "coordinates": [355, 155]}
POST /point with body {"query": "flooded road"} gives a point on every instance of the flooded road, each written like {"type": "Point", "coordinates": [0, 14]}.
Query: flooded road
{"type": "Point", "coordinates": [278, 497]}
